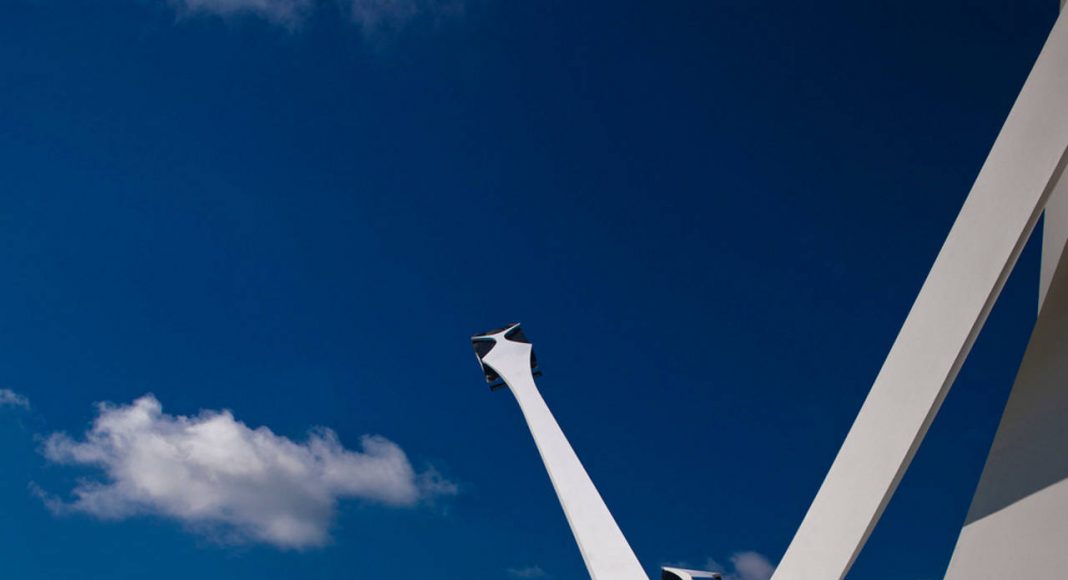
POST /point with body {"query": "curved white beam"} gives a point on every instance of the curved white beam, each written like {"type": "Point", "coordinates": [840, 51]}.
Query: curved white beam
{"type": "Point", "coordinates": [1001, 210]}
{"type": "Point", "coordinates": [606, 552]}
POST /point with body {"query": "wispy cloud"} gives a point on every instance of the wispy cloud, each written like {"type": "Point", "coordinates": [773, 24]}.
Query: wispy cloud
{"type": "Point", "coordinates": [285, 12]}
{"type": "Point", "coordinates": [9, 398]}
{"type": "Point", "coordinates": [747, 565]}
{"type": "Point", "coordinates": [216, 475]}
{"type": "Point", "coordinates": [527, 572]}
{"type": "Point", "coordinates": [374, 17]}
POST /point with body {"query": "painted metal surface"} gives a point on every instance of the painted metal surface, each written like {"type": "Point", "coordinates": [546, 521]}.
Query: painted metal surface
{"type": "Point", "coordinates": [1018, 522]}
{"type": "Point", "coordinates": [605, 551]}
{"type": "Point", "coordinates": [997, 218]}
{"type": "Point", "coordinates": [684, 574]}
{"type": "Point", "coordinates": [1054, 235]}
{"type": "Point", "coordinates": [1017, 526]}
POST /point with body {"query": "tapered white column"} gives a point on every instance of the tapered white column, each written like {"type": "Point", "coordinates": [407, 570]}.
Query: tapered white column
{"type": "Point", "coordinates": [976, 259]}
{"type": "Point", "coordinates": [606, 552]}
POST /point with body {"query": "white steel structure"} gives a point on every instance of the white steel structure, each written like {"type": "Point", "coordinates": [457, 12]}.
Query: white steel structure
{"type": "Point", "coordinates": [1018, 522]}
{"type": "Point", "coordinates": [1021, 173]}
{"type": "Point", "coordinates": [506, 354]}
{"type": "Point", "coordinates": [1017, 526]}
{"type": "Point", "coordinates": [683, 574]}
{"type": "Point", "coordinates": [507, 359]}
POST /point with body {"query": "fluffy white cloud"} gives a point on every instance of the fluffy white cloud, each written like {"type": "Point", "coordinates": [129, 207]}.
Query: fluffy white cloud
{"type": "Point", "coordinates": [215, 474]}
{"type": "Point", "coordinates": [745, 566]}
{"type": "Point", "coordinates": [373, 16]}
{"type": "Point", "coordinates": [9, 398]}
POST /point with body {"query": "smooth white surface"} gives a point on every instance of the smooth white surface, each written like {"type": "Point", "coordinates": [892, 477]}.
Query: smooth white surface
{"type": "Point", "coordinates": [1054, 235]}
{"type": "Point", "coordinates": [606, 552]}
{"type": "Point", "coordinates": [1017, 525]}
{"type": "Point", "coordinates": [980, 251]}
{"type": "Point", "coordinates": [1022, 543]}
{"type": "Point", "coordinates": [685, 574]}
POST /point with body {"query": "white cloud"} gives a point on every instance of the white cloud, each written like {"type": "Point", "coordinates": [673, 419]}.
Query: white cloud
{"type": "Point", "coordinates": [9, 398]}
{"type": "Point", "coordinates": [217, 475]}
{"type": "Point", "coordinates": [372, 16]}
{"type": "Point", "coordinates": [527, 572]}
{"type": "Point", "coordinates": [745, 566]}
{"type": "Point", "coordinates": [751, 566]}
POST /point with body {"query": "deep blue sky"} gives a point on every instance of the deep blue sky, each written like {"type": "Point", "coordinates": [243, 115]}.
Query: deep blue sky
{"type": "Point", "coordinates": [711, 217]}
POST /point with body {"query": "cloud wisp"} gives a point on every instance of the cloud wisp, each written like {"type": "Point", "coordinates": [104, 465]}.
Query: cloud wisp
{"type": "Point", "coordinates": [216, 475]}
{"type": "Point", "coordinates": [283, 12]}
{"type": "Point", "coordinates": [527, 572]}
{"type": "Point", "coordinates": [9, 398]}
{"type": "Point", "coordinates": [744, 566]}
{"type": "Point", "coordinates": [373, 17]}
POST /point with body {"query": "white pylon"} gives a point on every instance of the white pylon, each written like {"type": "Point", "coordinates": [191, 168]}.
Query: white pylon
{"type": "Point", "coordinates": [1018, 177]}
{"type": "Point", "coordinates": [1017, 526]}
{"type": "Point", "coordinates": [608, 556]}
{"type": "Point", "coordinates": [1026, 477]}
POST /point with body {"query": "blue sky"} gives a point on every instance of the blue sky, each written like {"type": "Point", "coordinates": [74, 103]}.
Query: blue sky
{"type": "Point", "coordinates": [711, 217]}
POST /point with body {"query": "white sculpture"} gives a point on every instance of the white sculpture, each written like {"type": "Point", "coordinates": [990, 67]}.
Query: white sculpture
{"type": "Point", "coordinates": [1018, 523]}
{"type": "Point", "coordinates": [683, 574]}
{"type": "Point", "coordinates": [1017, 180]}
{"type": "Point", "coordinates": [506, 354]}
{"type": "Point", "coordinates": [507, 359]}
